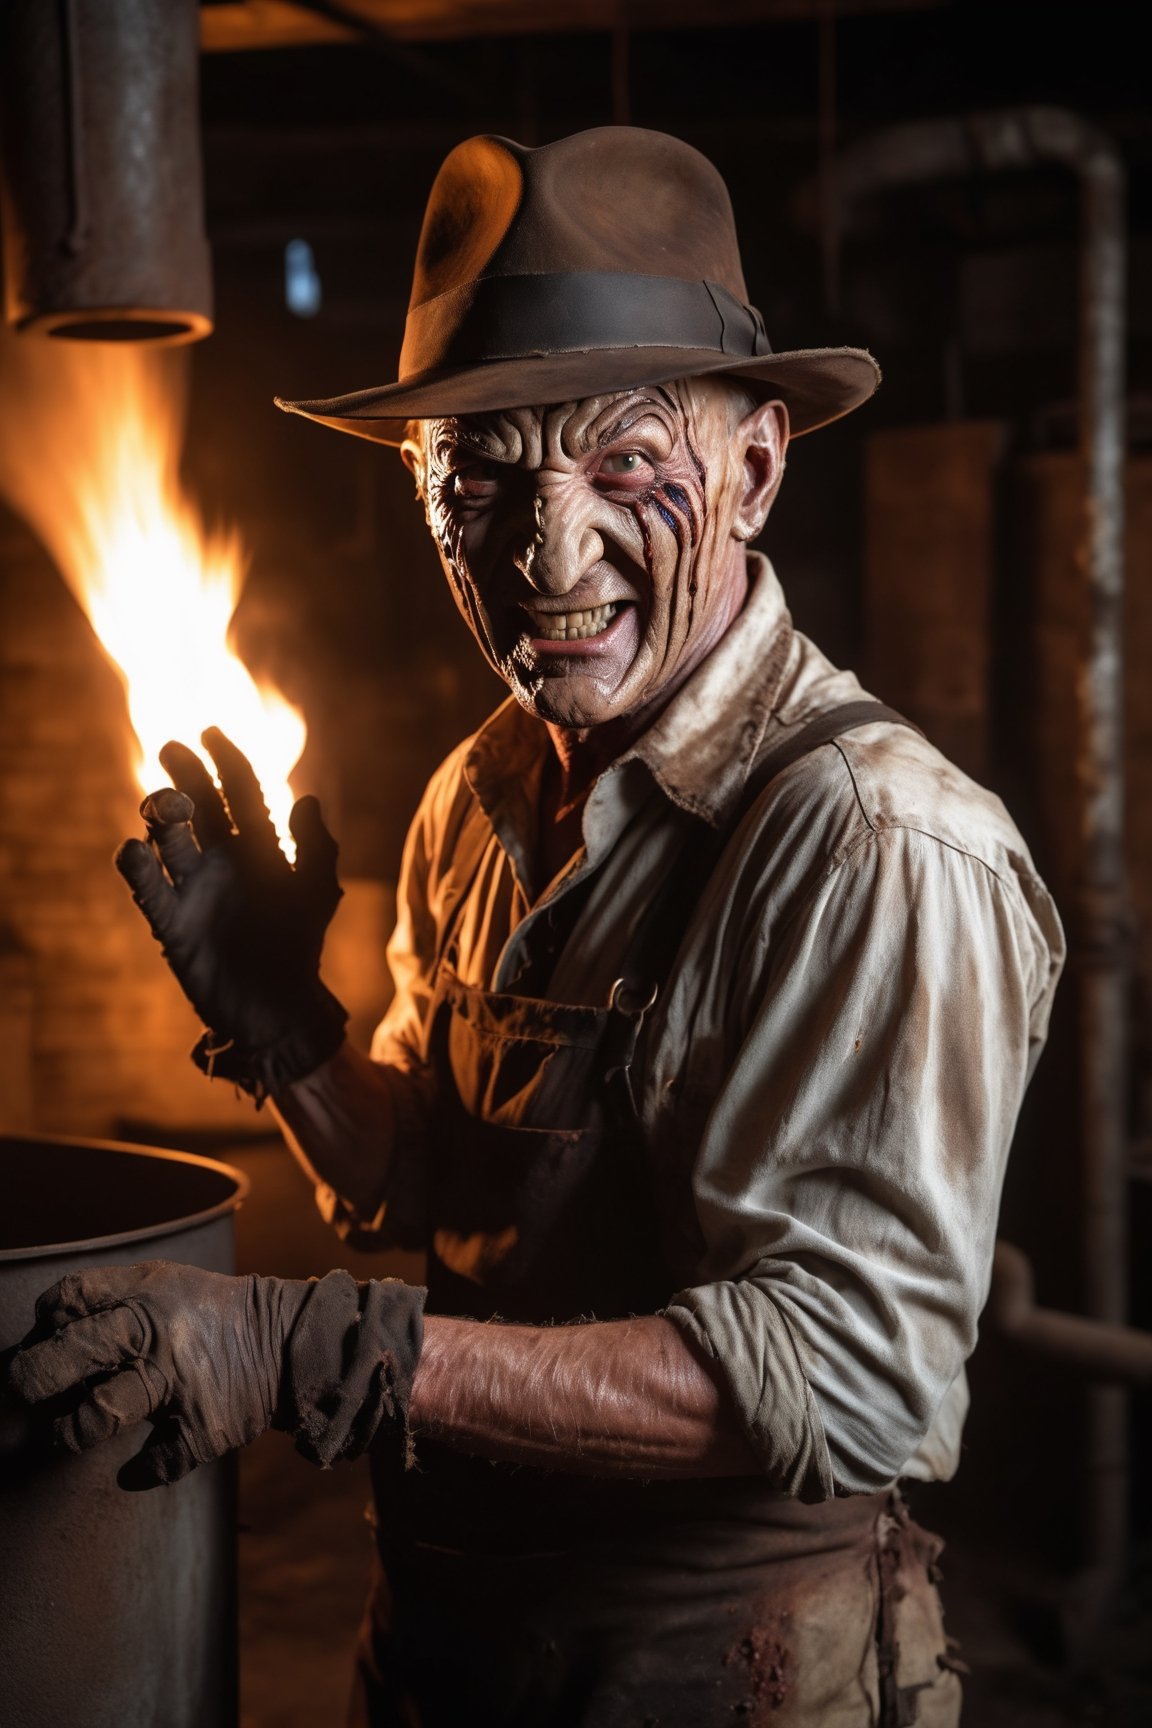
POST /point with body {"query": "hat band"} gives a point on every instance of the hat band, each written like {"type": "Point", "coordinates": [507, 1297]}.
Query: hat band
{"type": "Point", "coordinates": [515, 317]}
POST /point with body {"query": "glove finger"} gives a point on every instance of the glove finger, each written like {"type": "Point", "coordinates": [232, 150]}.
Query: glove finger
{"type": "Point", "coordinates": [316, 853]}
{"type": "Point", "coordinates": [179, 853]}
{"type": "Point", "coordinates": [90, 1292]}
{"type": "Point", "coordinates": [120, 1402]}
{"type": "Point", "coordinates": [82, 1348]}
{"type": "Point", "coordinates": [243, 794]}
{"type": "Point", "coordinates": [189, 774]}
{"type": "Point", "coordinates": [151, 889]}
{"type": "Point", "coordinates": [165, 1458]}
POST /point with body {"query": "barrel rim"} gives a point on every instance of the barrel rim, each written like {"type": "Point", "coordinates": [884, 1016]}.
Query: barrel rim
{"type": "Point", "coordinates": [144, 1232]}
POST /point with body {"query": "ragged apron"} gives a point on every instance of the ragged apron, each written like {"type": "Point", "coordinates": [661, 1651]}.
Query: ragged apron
{"type": "Point", "coordinates": [509, 1597]}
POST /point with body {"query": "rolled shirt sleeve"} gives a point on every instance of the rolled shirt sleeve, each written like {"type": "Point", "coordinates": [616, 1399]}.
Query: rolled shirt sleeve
{"type": "Point", "coordinates": [852, 1160]}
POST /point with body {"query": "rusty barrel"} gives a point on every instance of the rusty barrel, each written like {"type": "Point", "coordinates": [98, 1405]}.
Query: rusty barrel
{"type": "Point", "coordinates": [117, 1610]}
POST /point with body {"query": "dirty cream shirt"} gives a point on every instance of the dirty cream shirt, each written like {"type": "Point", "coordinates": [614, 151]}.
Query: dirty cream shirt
{"type": "Point", "coordinates": [832, 1075]}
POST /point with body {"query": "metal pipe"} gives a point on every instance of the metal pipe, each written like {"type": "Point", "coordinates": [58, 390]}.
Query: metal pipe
{"type": "Point", "coordinates": [100, 175]}
{"type": "Point", "coordinates": [1017, 139]}
{"type": "Point", "coordinates": [1091, 1348]}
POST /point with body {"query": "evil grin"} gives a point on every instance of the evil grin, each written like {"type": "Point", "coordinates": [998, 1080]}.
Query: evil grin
{"type": "Point", "coordinates": [572, 626]}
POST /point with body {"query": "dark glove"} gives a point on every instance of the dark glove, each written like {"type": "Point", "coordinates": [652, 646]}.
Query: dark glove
{"type": "Point", "coordinates": [241, 928]}
{"type": "Point", "coordinates": [214, 1361]}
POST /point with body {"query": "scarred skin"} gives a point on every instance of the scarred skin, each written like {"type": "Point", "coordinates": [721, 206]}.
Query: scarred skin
{"type": "Point", "coordinates": [645, 499]}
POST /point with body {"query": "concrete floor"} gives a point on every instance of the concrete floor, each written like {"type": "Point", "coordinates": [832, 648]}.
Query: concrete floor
{"type": "Point", "coordinates": [305, 1550]}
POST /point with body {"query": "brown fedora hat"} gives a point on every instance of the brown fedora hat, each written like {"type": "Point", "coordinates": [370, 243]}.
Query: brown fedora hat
{"type": "Point", "coordinates": [600, 262]}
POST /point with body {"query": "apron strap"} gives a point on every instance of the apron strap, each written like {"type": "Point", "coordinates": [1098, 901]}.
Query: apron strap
{"type": "Point", "coordinates": [661, 929]}
{"type": "Point", "coordinates": [821, 729]}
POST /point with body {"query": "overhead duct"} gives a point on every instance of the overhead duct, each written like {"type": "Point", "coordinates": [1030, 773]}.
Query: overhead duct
{"type": "Point", "coordinates": [100, 175]}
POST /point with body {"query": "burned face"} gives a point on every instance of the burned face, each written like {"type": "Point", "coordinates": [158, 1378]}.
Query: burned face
{"type": "Point", "coordinates": [596, 548]}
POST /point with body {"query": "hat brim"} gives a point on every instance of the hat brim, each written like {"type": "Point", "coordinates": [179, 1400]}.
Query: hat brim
{"type": "Point", "coordinates": [817, 385]}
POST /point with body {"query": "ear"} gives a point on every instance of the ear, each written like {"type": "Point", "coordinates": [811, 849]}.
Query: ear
{"type": "Point", "coordinates": [759, 442]}
{"type": "Point", "coordinates": [412, 457]}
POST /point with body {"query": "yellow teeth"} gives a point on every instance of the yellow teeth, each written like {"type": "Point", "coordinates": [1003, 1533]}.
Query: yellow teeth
{"type": "Point", "coordinates": [575, 626]}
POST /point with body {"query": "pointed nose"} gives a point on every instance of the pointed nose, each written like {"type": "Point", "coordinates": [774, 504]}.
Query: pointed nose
{"type": "Point", "coordinates": [564, 545]}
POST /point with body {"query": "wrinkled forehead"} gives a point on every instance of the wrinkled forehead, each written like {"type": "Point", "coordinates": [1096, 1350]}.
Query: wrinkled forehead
{"type": "Point", "coordinates": [529, 436]}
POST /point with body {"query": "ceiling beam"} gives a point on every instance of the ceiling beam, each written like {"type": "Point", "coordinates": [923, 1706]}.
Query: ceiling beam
{"type": "Point", "coordinates": [229, 26]}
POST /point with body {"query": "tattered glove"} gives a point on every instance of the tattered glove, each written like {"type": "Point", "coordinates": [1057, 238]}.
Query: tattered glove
{"type": "Point", "coordinates": [242, 928]}
{"type": "Point", "coordinates": [213, 1361]}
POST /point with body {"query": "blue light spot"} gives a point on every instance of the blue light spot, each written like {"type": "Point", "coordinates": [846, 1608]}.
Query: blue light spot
{"type": "Point", "coordinates": [301, 280]}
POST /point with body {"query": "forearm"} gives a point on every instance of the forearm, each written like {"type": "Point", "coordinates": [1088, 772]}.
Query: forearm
{"type": "Point", "coordinates": [618, 1398]}
{"type": "Point", "coordinates": [340, 1124]}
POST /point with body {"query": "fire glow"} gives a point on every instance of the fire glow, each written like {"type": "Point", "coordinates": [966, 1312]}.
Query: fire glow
{"type": "Point", "coordinates": [94, 469]}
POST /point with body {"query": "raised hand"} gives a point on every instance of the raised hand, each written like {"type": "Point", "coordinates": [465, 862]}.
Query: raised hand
{"type": "Point", "coordinates": [213, 1361]}
{"type": "Point", "coordinates": [241, 927]}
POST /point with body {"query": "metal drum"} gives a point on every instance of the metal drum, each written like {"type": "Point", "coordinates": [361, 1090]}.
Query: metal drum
{"type": "Point", "coordinates": [117, 1610]}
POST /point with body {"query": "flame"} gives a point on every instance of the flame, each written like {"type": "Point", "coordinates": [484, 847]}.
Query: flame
{"type": "Point", "coordinates": [90, 458]}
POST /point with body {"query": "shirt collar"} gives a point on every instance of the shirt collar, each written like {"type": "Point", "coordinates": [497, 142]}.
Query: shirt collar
{"type": "Point", "coordinates": [699, 751]}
